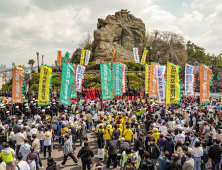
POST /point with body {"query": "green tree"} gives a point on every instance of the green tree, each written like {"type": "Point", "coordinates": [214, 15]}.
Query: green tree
{"type": "Point", "coordinates": [76, 56]}
{"type": "Point", "coordinates": [31, 63]}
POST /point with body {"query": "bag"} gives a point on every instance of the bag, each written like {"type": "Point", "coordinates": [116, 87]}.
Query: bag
{"type": "Point", "coordinates": [106, 156]}
{"type": "Point", "coordinates": [84, 154]}
{"type": "Point", "coordinates": [100, 153]}
{"type": "Point", "coordinates": [144, 165]}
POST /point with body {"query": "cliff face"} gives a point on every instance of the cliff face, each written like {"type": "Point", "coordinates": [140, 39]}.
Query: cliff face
{"type": "Point", "coordinates": [123, 31]}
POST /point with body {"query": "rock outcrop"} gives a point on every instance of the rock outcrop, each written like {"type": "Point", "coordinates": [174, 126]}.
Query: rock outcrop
{"type": "Point", "coordinates": [123, 31]}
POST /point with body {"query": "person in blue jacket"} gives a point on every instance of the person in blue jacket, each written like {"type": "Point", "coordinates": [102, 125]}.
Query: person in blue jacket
{"type": "Point", "coordinates": [169, 145]}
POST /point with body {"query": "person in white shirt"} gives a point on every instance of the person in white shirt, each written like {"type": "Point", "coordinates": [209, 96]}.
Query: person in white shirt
{"type": "Point", "coordinates": [163, 129]}
{"type": "Point", "coordinates": [197, 153]}
{"type": "Point", "coordinates": [19, 137]}
{"type": "Point", "coordinates": [187, 117]}
{"type": "Point", "coordinates": [47, 141]}
{"type": "Point", "coordinates": [180, 136]}
{"type": "Point", "coordinates": [22, 165]}
{"type": "Point", "coordinates": [37, 117]}
{"type": "Point", "coordinates": [33, 131]}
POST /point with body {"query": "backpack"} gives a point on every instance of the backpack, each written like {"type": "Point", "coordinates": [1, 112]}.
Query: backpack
{"type": "Point", "coordinates": [144, 165]}
{"type": "Point", "coordinates": [205, 157]}
{"type": "Point", "coordinates": [98, 133]}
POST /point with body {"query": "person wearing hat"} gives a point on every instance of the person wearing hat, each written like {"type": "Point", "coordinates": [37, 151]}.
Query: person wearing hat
{"type": "Point", "coordinates": [68, 151]}
{"type": "Point", "coordinates": [154, 151]}
{"type": "Point", "coordinates": [139, 142]}
{"type": "Point", "coordinates": [156, 134]}
{"type": "Point", "coordinates": [175, 163]}
{"type": "Point", "coordinates": [169, 145]}
{"type": "Point", "coordinates": [17, 111]}
{"type": "Point", "coordinates": [47, 141]}
{"type": "Point", "coordinates": [54, 108]}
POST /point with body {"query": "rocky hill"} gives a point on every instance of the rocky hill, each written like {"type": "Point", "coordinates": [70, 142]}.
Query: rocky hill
{"type": "Point", "coordinates": [123, 31]}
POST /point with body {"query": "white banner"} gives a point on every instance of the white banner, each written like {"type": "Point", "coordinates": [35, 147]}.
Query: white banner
{"type": "Point", "coordinates": [87, 57]}
{"type": "Point", "coordinates": [136, 55]}
{"type": "Point", "coordinates": [79, 77]}
{"type": "Point", "coordinates": [189, 80]}
{"type": "Point", "coordinates": [161, 83]}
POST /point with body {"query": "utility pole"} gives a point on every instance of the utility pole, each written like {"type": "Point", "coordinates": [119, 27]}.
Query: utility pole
{"type": "Point", "coordinates": [42, 59]}
{"type": "Point", "coordinates": [37, 53]}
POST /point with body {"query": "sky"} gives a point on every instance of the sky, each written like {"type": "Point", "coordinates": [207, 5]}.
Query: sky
{"type": "Point", "coordinates": [46, 26]}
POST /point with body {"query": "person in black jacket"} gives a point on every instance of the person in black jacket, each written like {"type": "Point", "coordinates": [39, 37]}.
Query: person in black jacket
{"type": "Point", "coordinates": [154, 151]}
{"type": "Point", "coordinates": [139, 142]}
{"type": "Point", "coordinates": [51, 164]}
{"type": "Point", "coordinates": [215, 152]}
{"type": "Point", "coordinates": [175, 164]}
{"type": "Point", "coordinates": [116, 134]}
{"type": "Point", "coordinates": [112, 152]}
{"type": "Point", "coordinates": [147, 140]}
{"type": "Point", "coordinates": [146, 164]}
{"type": "Point", "coordinates": [86, 155]}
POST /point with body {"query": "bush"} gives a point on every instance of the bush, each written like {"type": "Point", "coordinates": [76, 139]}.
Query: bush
{"type": "Point", "coordinates": [91, 66]}
{"type": "Point", "coordinates": [34, 87]}
{"type": "Point", "coordinates": [7, 86]}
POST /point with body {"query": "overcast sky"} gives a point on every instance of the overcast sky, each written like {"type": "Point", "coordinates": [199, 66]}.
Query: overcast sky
{"type": "Point", "coordinates": [27, 26]}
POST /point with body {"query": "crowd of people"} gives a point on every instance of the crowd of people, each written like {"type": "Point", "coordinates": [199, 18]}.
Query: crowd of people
{"type": "Point", "coordinates": [130, 133]}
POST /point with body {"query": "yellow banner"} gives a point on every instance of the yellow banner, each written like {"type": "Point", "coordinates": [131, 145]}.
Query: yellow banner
{"type": "Point", "coordinates": [172, 84]}
{"type": "Point", "coordinates": [143, 59]}
{"type": "Point", "coordinates": [82, 57]}
{"type": "Point", "coordinates": [220, 100]}
{"type": "Point", "coordinates": [147, 77]}
{"type": "Point", "coordinates": [44, 85]}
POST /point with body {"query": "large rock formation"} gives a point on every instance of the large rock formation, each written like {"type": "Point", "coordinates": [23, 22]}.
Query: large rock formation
{"type": "Point", "coordinates": [123, 31]}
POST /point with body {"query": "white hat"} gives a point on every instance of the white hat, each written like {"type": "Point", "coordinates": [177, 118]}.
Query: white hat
{"type": "Point", "coordinates": [27, 107]}
{"type": "Point", "coordinates": [25, 104]}
{"type": "Point", "coordinates": [48, 107]}
{"type": "Point", "coordinates": [66, 111]}
{"type": "Point", "coordinates": [31, 101]}
{"type": "Point", "coordinates": [36, 100]}
{"type": "Point", "coordinates": [53, 103]}
{"type": "Point", "coordinates": [43, 110]}
{"type": "Point", "coordinates": [16, 107]}
{"type": "Point", "coordinates": [7, 111]}
{"type": "Point", "coordinates": [34, 104]}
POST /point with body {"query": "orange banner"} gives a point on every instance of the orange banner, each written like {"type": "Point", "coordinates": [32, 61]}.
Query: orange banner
{"type": "Point", "coordinates": [59, 58]}
{"type": "Point", "coordinates": [115, 53]}
{"type": "Point", "coordinates": [17, 82]}
{"type": "Point", "coordinates": [153, 83]}
{"type": "Point", "coordinates": [205, 77]}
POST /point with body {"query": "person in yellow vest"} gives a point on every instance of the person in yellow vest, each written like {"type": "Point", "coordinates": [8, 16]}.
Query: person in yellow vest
{"type": "Point", "coordinates": [108, 134]}
{"type": "Point", "coordinates": [156, 134]}
{"type": "Point", "coordinates": [99, 130]}
{"type": "Point", "coordinates": [101, 118]}
{"type": "Point", "coordinates": [8, 156]}
{"type": "Point", "coordinates": [125, 156]}
{"type": "Point", "coordinates": [128, 135]}
{"type": "Point", "coordinates": [120, 125]}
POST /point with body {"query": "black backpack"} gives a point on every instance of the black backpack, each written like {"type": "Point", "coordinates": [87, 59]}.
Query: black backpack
{"type": "Point", "coordinates": [145, 165]}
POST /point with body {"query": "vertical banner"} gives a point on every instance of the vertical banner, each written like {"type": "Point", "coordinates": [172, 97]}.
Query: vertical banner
{"type": "Point", "coordinates": [143, 59]}
{"type": "Point", "coordinates": [83, 52]}
{"type": "Point", "coordinates": [59, 58]}
{"type": "Point", "coordinates": [136, 55]}
{"type": "Point", "coordinates": [117, 79]}
{"type": "Point", "coordinates": [124, 78]}
{"type": "Point", "coordinates": [106, 84]}
{"type": "Point", "coordinates": [44, 85]}
{"type": "Point", "coordinates": [205, 78]}
{"type": "Point", "coordinates": [66, 57]}
{"type": "Point", "coordinates": [189, 80]}
{"type": "Point", "coordinates": [221, 99]}
{"type": "Point", "coordinates": [172, 84]}
{"type": "Point", "coordinates": [115, 54]}
{"type": "Point", "coordinates": [147, 78]}
{"type": "Point", "coordinates": [17, 83]}
{"type": "Point", "coordinates": [79, 77]}
{"type": "Point", "coordinates": [153, 82]}
{"type": "Point", "coordinates": [74, 93]}
{"type": "Point", "coordinates": [87, 58]}
{"type": "Point", "coordinates": [66, 83]}
{"type": "Point", "coordinates": [161, 84]}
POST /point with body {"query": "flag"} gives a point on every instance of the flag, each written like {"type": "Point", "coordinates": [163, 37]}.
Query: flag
{"type": "Point", "coordinates": [87, 58]}
{"type": "Point", "coordinates": [205, 80]}
{"type": "Point", "coordinates": [59, 58]}
{"type": "Point", "coordinates": [106, 86]}
{"type": "Point", "coordinates": [117, 79]}
{"type": "Point", "coordinates": [18, 74]}
{"type": "Point", "coordinates": [66, 83]}
{"type": "Point", "coordinates": [161, 84]}
{"type": "Point", "coordinates": [153, 82]}
{"type": "Point", "coordinates": [172, 84]}
{"type": "Point", "coordinates": [136, 55]}
{"type": "Point", "coordinates": [83, 52]}
{"type": "Point", "coordinates": [79, 77]}
{"type": "Point", "coordinates": [147, 78]}
{"type": "Point", "coordinates": [189, 80]}
{"type": "Point", "coordinates": [143, 59]}
{"type": "Point", "coordinates": [44, 85]}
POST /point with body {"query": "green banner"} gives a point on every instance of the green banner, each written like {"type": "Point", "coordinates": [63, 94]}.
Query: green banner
{"type": "Point", "coordinates": [74, 94]}
{"type": "Point", "coordinates": [117, 79]}
{"type": "Point", "coordinates": [66, 83]}
{"type": "Point", "coordinates": [219, 76]}
{"type": "Point", "coordinates": [106, 86]}
{"type": "Point", "coordinates": [66, 57]}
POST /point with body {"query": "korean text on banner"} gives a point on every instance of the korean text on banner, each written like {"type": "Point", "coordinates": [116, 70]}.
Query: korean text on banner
{"type": "Point", "coordinates": [147, 78]}
{"type": "Point", "coordinates": [124, 78]}
{"type": "Point", "coordinates": [143, 59]}
{"type": "Point", "coordinates": [220, 99]}
{"type": "Point", "coordinates": [172, 84]}
{"type": "Point", "coordinates": [83, 52]}
{"type": "Point", "coordinates": [205, 77]}
{"type": "Point", "coordinates": [153, 82]}
{"type": "Point", "coordinates": [66, 56]}
{"type": "Point", "coordinates": [161, 84]}
{"type": "Point", "coordinates": [66, 83]}
{"type": "Point", "coordinates": [115, 54]}
{"type": "Point", "coordinates": [87, 58]}
{"type": "Point", "coordinates": [59, 58]}
{"type": "Point", "coordinates": [136, 55]}
{"type": "Point", "coordinates": [17, 83]}
{"type": "Point", "coordinates": [79, 77]}
{"type": "Point", "coordinates": [189, 80]}
{"type": "Point", "coordinates": [44, 85]}
{"type": "Point", "coordinates": [106, 86]}
{"type": "Point", "coordinates": [117, 79]}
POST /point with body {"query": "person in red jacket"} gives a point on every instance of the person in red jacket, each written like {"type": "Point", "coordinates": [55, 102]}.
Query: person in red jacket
{"type": "Point", "coordinates": [93, 93]}
{"type": "Point", "coordinates": [87, 93]}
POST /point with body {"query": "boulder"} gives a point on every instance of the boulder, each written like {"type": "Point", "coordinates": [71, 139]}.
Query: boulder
{"type": "Point", "coordinates": [123, 31]}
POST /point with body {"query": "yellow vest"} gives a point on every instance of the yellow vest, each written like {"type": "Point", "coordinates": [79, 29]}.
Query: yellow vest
{"type": "Point", "coordinates": [7, 158]}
